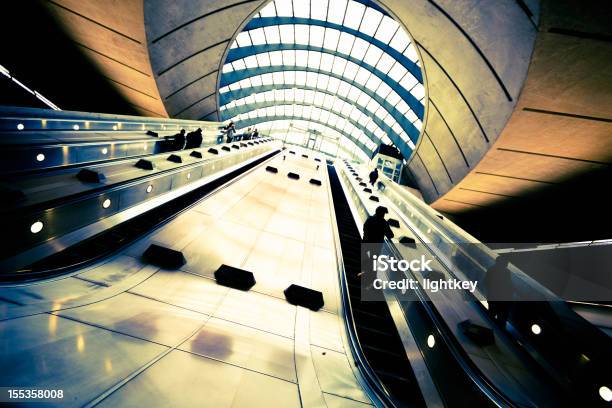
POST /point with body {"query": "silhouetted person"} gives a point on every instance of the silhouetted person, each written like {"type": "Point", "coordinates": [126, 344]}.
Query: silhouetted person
{"type": "Point", "coordinates": [498, 283]}
{"type": "Point", "coordinates": [255, 133]}
{"type": "Point", "coordinates": [179, 140]}
{"type": "Point", "coordinates": [194, 139]}
{"type": "Point", "coordinates": [375, 229]}
{"type": "Point", "coordinates": [373, 176]}
{"type": "Point", "coordinates": [229, 131]}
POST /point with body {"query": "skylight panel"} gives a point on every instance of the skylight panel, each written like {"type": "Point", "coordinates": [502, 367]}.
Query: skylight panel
{"type": "Point", "coordinates": [400, 40]}
{"type": "Point", "coordinates": [311, 79]}
{"type": "Point", "coordinates": [411, 53]}
{"type": "Point", "coordinates": [284, 8]}
{"type": "Point", "coordinates": [269, 96]}
{"type": "Point", "coordinates": [378, 132]}
{"type": "Point", "coordinates": [250, 61]}
{"type": "Point", "coordinates": [324, 116]}
{"type": "Point", "coordinates": [337, 106]}
{"type": "Point", "coordinates": [337, 9]}
{"type": "Point", "coordinates": [314, 59]}
{"type": "Point", "coordinates": [227, 68]}
{"type": "Point", "coordinates": [257, 36]}
{"type": "Point", "coordinates": [288, 110]}
{"type": "Point", "coordinates": [268, 10]}
{"type": "Point", "coordinates": [288, 57]}
{"type": "Point", "coordinates": [318, 9]}
{"type": "Point", "coordinates": [386, 29]}
{"type": "Point", "coordinates": [315, 113]}
{"type": "Point", "coordinates": [371, 20]}
{"type": "Point", "coordinates": [373, 106]}
{"type": "Point", "coordinates": [371, 126]}
{"type": "Point", "coordinates": [418, 124]}
{"type": "Point", "coordinates": [373, 83]}
{"type": "Point", "coordinates": [244, 39]}
{"type": "Point", "coordinates": [346, 109]}
{"type": "Point", "coordinates": [411, 116]}
{"type": "Point", "coordinates": [241, 102]}
{"type": "Point", "coordinates": [344, 89]}
{"type": "Point", "coordinates": [359, 49]}
{"type": "Point", "coordinates": [353, 93]}
{"type": "Point", "coordinates": [402, 107]}
{"type": "Point", "coordinates": [397, 72]}
{"type": "Point", "coordinates": [354, 14]}
{"type": "Point", "coordinates": [289, 94]}
{"type": "Point", "coordinates": [224, 89]}
{"type": "Point", "coordinates": [322, 81]}
{"type": "Point", "coordinates": [280, 110]}
{"type": "Point", "coordinates": [256, 80]}
{"type": "Point", "coordinates": [331, 39]}
{"type": "Point", "coordinates": [272, 34]}
{"type": "Point", "coordinates": [301, 58]}
{"type": "Point", "coordinates": [362, 76]}
{"type": "Point", "coordinates": [345, 43]}
{"type": "Point", "coordinates": [260, 97]}
{"type": "Point", "coordinates": [383, 90]}
{"type": "Point", "coordinates": [333, 85]}
{"type": "Point", "coordinates": [278, 78]}
{"type": "Point", "coordinates": [393, 98]}
{"type": "Point", "coordinates": [299, 95]}
{"type": "Point", "coordinates": [363, 99]}
{"type": "Point", "coordinates": [355, 115]}
{"type": "Point", "coordinates": [235, 86]}
{"type": "Point", "coordinates": [266, 79]}
{"type": "Point", "coordinates": [245, 83]}
{"type": "Point", "coordinates": [298, 110]}
{"type": "Point", "coordinates": [302, 34]}
{"type": "Point", "coordinates": [307, 111]}
{"type": "Point", "coordinates": [263, 59]}
{"type": "Point", "coordinates": [397, 128]}
{"type": "Point", "coordinates": [289, 77]}
{"type": "Point", "coordinates": [276, 58]}
{"type": "Point", "coordinates": [239, 64]}
{"type": "Point", "coordinates": [301, 8]}
{"type": "Point", "coordinates": [411, 144]}
{"type": "Point", "coordinates": [287, 34]}
{"type": "Point", "coordinates": [300, 78]}
{"type": "Point", "coordinates": [328, 101]}
{"type": "Point", "coordinates": [418, 91]}
{"type": "Point", "coordinates": [339, 65]}
{"type": "Point", "coordinates": [351, 70]}
{"type": "Point", "coordinates": [373, 55]}
{"type": "Point", "coordinates": [408, 81]}
{"type": "Point", "coordinates": [316, 36]}
{"type": "Point", "coordinates": [309, 96]}
{"type": "Point", "coordinates": [271, 110]}
{"type": "Point", "coordinates": [319, 98]}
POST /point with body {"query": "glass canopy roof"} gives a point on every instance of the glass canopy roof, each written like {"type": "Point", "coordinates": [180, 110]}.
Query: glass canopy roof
{"type": "Point", "coordinates": [343, 68]}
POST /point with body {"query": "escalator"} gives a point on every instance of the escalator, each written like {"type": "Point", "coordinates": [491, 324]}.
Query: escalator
{"type": "Point", "coordinates": [379, 340]}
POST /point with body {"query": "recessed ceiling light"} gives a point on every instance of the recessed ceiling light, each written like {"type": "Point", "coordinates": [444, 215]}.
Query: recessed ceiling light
{"type": "Point", "coordinates": [149, 188]}
{"type": "Point", "coordinates": [40, 157]}
{"type": "Point", "coordinates": [20, 126]}
{"type": "Point", "coordinates": [106, 203]}
{"type": "Point", "coordinates": [36, 227]}
{"type": "Point", "coordinates": [431, 341]}
{"type": "Point", "coordinates": [536, 329]}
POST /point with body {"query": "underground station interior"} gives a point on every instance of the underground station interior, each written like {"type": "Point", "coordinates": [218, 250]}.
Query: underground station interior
{"type": "Point", "coordinates": [306, 203]}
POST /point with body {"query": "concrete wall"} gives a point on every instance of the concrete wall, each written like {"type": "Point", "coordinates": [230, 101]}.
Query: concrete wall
{"type": "Point", "coordinates": [562, 125]}
{"type": "Point", "coordinates": [188, 41]}
{"type": "Point", "coordinates": [111, 34]}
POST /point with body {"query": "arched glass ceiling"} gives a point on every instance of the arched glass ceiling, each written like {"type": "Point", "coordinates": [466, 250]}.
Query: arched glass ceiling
{"type": "Point", "coordinates": [344, 65]}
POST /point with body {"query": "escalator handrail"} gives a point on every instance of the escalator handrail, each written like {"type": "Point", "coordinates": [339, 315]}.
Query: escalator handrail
{"type": "Point", "coordinates": [380, 391]}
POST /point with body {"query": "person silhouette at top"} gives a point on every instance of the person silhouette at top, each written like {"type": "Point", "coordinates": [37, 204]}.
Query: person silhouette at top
{"type": "Point", "coordinates": [179, 140]}
{"type": "Point", "coordinates": [498, 284]}
{"type": "Point", "coordinates": [373, 176]}
{"type": "Point", "coordinates": [229, 131]}
{"type": "Point", "coordinates": [194, 139]}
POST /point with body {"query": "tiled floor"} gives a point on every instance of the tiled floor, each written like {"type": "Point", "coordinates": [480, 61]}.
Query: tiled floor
{"type": "Point", "coordinates": [125, 334]}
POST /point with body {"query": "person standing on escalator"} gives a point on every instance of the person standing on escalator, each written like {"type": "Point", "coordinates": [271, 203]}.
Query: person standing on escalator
{"type": "Point", "coordinates": [373, 176]}
{"type": "Point", "coordinates": [375, 229]}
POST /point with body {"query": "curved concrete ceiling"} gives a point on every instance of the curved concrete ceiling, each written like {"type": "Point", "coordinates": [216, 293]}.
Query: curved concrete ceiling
{"type": "Point", "coordinates": [112, 35]}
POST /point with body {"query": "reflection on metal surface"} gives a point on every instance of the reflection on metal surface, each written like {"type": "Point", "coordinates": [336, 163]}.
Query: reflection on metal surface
{"type": "Point", "coordinates": [126, 334]}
